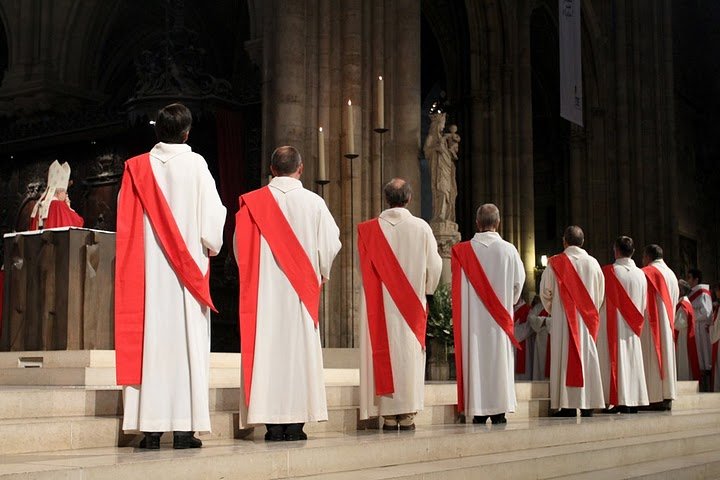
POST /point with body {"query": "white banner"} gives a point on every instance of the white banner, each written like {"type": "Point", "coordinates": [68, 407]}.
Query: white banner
{"type": "Point", "coordinates": [570, 61]}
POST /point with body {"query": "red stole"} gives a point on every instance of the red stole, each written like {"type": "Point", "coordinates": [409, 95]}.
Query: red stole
{"type": "Point", "coordinates": [464, 259]}
{"type": "Point", "coordinates": [617, 301]}
{"type": "Point", "coordinates": [686, 306]}
{"type": "Point", "coordinates": [658, 286]}
{"type": "Point", "coordinates": [140, 193]}
{"type": "Point", "coordinates": [520, 316]}
{"type": "Point", "coordinates": [697, 293]}
{"type": "Point", "coordinates": [575, 298]}
{"type": "Point", "coordinates": [379, 267]}
{"type": "Point", "coordinates": [60, 215]}
{"type": "Point", "coordinates": [260, 215]}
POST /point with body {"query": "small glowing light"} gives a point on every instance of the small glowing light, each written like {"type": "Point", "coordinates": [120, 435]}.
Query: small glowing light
{"type": "Point", "coordinates": [380, 77]}
{"type": "Point", "coordinates": [321, 129]}
{"type": "Point", "coordinates": [349, 103]}
{"type": "Point", "coordinates": [152, 122]}
{"type": "Point", "coordinates": [93, 142]}
{"type": "Point", "coordinates": [543, 260]}
{"type": "Point", "coordinates": [12, 156]}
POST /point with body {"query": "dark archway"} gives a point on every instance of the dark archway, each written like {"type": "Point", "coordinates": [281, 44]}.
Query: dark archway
{"type": "Point", "coordinates": [551, 135]}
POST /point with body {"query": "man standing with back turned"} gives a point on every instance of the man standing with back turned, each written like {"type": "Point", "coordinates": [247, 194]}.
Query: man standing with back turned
{"type": "Point", "coordinates": [286, 241]}
{"type": "Point", "coordinates": [170, 219]}
{"type": "Point", "coordinates": [572, 289]}
{"type": "Point", "coordinates": [487, 280]}
{"type": "Point", "coordinates": [400, 264]}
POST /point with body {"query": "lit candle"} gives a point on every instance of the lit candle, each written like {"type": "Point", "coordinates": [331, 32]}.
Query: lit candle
{"type": "Point", "coordinates": [350, 129]}
{"type": "Point", "coordinates": [322, 174]}
{"type": "Point", "coordinates": [380, 103]}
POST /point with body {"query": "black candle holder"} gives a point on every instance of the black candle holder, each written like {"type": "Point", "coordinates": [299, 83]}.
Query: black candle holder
{"type": "Point", "coordinates": [351, 157]}
{"type": "Point", "coordinates": [382, 132]}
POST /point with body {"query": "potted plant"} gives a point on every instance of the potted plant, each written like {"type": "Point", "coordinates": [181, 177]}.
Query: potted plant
{"type": "Point", "coordinates": [440, 334]}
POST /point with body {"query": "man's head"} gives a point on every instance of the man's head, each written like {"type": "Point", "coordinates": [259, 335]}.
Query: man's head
{"type": "Point", "coordinates": [173, 123]}
{"type": "Point", "coordinates": [286, 162]}
{"type": "Point", "coordinates": [573, 237]}
{"type": "Point", "coordinates": [623, 247]}
{"type": "Point", "coordinates": [694, 277]}
{"type": "Point", "coordinates": [684, 288]}
{"type": "Point", "coordinates": [487, 218]}
{"type": "Point", "coordinates": [651, 253]}
{"type": "Point", "coordinates": [397, 193]}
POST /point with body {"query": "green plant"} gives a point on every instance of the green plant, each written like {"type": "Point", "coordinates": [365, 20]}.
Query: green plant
{"type": "Point", "coordinates": [440, 319]}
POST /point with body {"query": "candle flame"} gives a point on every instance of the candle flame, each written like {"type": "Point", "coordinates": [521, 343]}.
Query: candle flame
{"type": "Point", "coordinates": [380, 77]}
{"type": "Point", "coordinates": [349, 103]}
{"type": "Point", "coordinates": [321, 129]}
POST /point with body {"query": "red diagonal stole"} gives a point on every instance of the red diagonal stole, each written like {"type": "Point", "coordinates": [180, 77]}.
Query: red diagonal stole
{"type": "Point", "coordinates": [379, 267]}
{"type": "Point", "coordinates": [617, 301]}
{"type": "Point", "coordinates": [699, 292]}
{"type": "Point", "coordinates": [140, 193]}
{"type": "Point", "coordinates": [520, 316]}
{"type": "Point", "coordinates": [575, 298]}
{"type": "Point", "coordinates": [658, 286]}
{"type": "Point", "coordinates": [260, 215]}
{"type": "Point", "coordinates": [465, 260]}
{"type": "Point", "coordinates": [686, 306]}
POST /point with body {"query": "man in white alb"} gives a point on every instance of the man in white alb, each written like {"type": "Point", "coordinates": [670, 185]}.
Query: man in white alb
{"type": "Point", "coordinates": [400, 264]}
{"type": "Point", "coordinates": [701, 300]}
{"type": "Point", "coordinates": [487, 280]}
{"type": "Point", "coordinates": [285, 241]}
{"type": "Point", "coordinates": [572, 290]}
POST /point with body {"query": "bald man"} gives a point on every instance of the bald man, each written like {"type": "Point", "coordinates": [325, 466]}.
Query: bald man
{"type": "Point", "coordinates": [572, 289]}
{"type": "Point", "coordinates": [400, 264]}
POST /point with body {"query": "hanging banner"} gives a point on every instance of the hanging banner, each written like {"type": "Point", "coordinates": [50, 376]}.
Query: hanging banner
{"type": "Point", "coordinates": [570, 61]}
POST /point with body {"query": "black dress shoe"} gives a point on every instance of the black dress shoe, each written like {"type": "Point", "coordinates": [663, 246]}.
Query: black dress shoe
{"type": "Point", "coordinates": [565, 412]}
{"type": "Point", "coordinates": [586, 412]}
{"type": "Point", "coordinates": [407, 428]}
{"type": "Point", "coordinates": [667, 404]}
{"type": "Point", "coordinates": [183, 440]}
{"type": "Point", "coordinates": [613, 410]}
{"type": "Point", "coordinates": [151, 441]}
{"type": "Point", "coordinates": [294, 432]}
{"type": "Point", "coordinates": [499, 418]}
{"type": "Point", "coordinates": [480, 419]}
{"type": "Point", "coordinates": [275, 432]}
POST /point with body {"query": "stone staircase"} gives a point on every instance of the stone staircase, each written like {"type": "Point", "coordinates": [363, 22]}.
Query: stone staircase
{"type": "Point", "coordinates": [72, 429]}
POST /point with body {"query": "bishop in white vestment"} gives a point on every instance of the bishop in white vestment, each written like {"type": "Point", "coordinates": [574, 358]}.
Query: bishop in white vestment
{"type": "Point", "coordinates": [619, 346]}
{"type": "Point", "coordinates": [488, 277]}
{"type": "Point", "coordinates": [286, 241]}
{"type": "Point", "coordinates": [688, 368]}
{"type": "Point", "coordinates": [575, 380]}
{"type": "Point", "coordinates": [395, 235]}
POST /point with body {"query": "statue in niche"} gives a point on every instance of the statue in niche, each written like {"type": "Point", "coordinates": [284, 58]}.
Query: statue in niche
{"type": "Point", "coordinates": [441, 151]}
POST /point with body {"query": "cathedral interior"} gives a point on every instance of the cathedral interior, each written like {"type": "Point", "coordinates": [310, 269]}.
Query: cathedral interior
{"type": "Point", "coordinates": [81, 80]}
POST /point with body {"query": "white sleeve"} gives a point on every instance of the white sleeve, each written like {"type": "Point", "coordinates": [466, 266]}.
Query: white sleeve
{"type": "Point", "coordinates": [212, 214]}
{"type": "Point", "coordinates": [328, 240]}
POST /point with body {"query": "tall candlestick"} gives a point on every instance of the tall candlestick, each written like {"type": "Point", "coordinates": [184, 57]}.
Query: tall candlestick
{"type": "Point", "coordinates": [350, 129]}
{"type": "Point", "coordinates": [380, 103]}
{"type": "Point", "coordinates": [322, 174]}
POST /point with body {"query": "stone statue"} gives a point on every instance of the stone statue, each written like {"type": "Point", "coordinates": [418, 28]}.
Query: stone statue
{"type": "Point", "coordinates": [441, 153]}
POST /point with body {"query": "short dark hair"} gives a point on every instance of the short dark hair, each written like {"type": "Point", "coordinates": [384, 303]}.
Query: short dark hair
{"type": "Point", "coordinates": [624, 245]}
{"type": "Point", "coordinates": [695, 273]}
{"type": "Point", "coordinates": [397, 192]}
{"type": "Point", "coordinates": [172, 123]}
{"type": "Point", "coordinates": [653, 251]}
{"type": "Point", "coordinates": [684, 288]}
{"type": "Point", "coordinates": [574, 236]}
{"type": "Point", "coordinates": [285, 160]}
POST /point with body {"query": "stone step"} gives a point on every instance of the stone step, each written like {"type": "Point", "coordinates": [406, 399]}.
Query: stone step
{"type": "Point", "coordinates": [557, 447]}
{"type": "Point", "coordinates": [686, 467]}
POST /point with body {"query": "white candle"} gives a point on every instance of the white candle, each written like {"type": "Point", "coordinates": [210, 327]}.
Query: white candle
{"type": "Point", "coordinates": [380, 103]}
{"type": "Point", "coordinates": [322, 174]}
{"type": "Point", "coordinates": [350, 129]}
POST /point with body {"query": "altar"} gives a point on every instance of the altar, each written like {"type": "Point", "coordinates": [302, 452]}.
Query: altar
{"type": "Point", "coordinates": [58, 290]}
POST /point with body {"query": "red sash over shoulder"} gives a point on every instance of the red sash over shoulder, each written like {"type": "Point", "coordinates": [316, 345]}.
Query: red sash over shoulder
{"type": "Point", "coordinates": [465, 260]}
{"type": "Point", "coordinates": [520, 316]}
{"type": "Point", "coordinates": [575, 298]}
{"type": "Point", "coordinates": [617, 301]}
{"type": "Point", "coordinates": [140, 194]}
{"type": "Point", "coordinates": [379, 267]}
{"type": "Point", "coordinates": [260, 215]}
{"type": "Point", "coordinates": [699, 292]}
{"type": "Point", "coordinates": [686, 306]}
{"type": "Point", "coordinates": [658, 286]}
